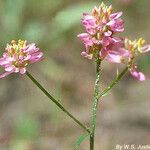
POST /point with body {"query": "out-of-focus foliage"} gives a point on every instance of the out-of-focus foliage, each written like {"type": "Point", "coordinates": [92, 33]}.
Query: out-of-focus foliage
{"type": "Point", "coordinates": [27, 127]}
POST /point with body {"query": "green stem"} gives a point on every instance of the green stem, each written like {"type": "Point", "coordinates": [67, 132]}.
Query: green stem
{"type": "Point", "coordinates": [95, 103]}
{"type": "Point", "coordinates": [113, 83]}
{"type": "Point", "coordinates": [56, 102]}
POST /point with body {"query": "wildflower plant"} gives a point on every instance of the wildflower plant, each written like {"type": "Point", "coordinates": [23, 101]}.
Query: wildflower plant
{"type": "Point", "coordinates": [17, 55]}
{"type": "Point", "coordinates": [102, 43]}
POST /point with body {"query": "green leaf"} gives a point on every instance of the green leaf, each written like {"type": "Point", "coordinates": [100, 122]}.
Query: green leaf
{"type": "Point", "coordinates": [27, 127]}
{"type": "Point", "coordinates": [33, 31]}
{"type": "Point", "coordinates": [70, 16]}
{"type": "Point", "coordinates": [105, 94]}
{"type": "Point", "coordinates": [80, 140]}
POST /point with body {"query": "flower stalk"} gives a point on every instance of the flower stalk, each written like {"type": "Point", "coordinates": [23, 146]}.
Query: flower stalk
{"type": "Point", "coordinates": [56, 102]}
{"type": "Point", "coordinates": [97, 96]}
{"type": "Point", "coordinates": [95, 102]}
{"type": "Point", "coordinates": [113, 83]}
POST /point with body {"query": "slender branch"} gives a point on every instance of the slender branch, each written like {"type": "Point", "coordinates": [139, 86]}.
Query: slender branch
{"type": "Point", "coordinates": [95, 103]}
{"type": "Point", "coordinates": [114, 82]}
{"type": "Point", "coordinates": [56, 102]}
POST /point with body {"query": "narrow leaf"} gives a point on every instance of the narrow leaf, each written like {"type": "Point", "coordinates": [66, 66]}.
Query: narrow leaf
{"type": "Point", "coordinates": [105, 94]}
{"type": "Point", "coordinates": [80, 140]}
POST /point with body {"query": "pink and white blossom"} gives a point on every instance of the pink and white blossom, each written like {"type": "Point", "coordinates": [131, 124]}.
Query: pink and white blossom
{"type": "Point", "coordinates": [100, 40]}
{"type": "Point", "coordinates": [127, 53]}
{"type": "Point", "coordinates": [104, 20]}
{"type": "Point", "coordinates": [100, 25]}
{"type": "Point", "coordinates": [138, 75]}
{"type": "Point", "coordinates": [17, 56]}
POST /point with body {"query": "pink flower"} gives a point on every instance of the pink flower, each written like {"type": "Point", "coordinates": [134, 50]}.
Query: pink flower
{"type": "Point", "coordinates": [116, 25]}
{"type": "Point", "coordinates": [86, 39]}
{"type": "Point", "coordinates": [127, 50]}
{"type": "Point", "coordinates": [104, 46]}
{"type": "Point", "coordinates": [145, 49]}
{"type": "Point", "coordinates": [115, 51]}
{"type": "Point", "coordinates": [138, 75]}
{"type": "Point", "coordinates": [100, 26]}
{"type": "Point", "coordinates": [18, 55]}
{"type": "Point", "coordinates": [103, 20]}
{"type": "Point", "coordinates": [127, 53]}
{"type": "Point", "coordinates": [118, 56]}
{"type": "Point", "coordinates": [99, 40]}
{"type": "Point", "coordinates": [136, 48]}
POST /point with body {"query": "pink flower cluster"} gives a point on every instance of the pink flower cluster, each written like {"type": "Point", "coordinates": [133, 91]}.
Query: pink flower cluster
{"type": "Point", "coordinates": [18, 55]}
{"type": "Point", "coordinates": [127, 54]}
{"type": "Point", "coordinates": [100, 40]}
{"type": "Point", "coordinates": [101, 25]}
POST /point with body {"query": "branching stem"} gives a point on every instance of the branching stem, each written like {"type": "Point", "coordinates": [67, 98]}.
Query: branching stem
{"type": "Point", "coordinates": [56, 102]}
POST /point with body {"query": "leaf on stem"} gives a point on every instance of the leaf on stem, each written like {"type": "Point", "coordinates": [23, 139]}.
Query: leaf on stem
{"type": "Point", "coordinates": [80, 140]}
{"type": "Point", "coordinates": [105, 94]}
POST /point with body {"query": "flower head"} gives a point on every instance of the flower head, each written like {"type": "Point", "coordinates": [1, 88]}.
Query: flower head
{"type": "Point", "coordinates": [100, 25]}
{"type": "Point", "coordinates": [104, 20]}
{"type": "Point", "coordinates": [99, 40]}
{"type": "Point", "coordinates": [135, 48]}
{"type": "Point", "coordinates": [17, 55]}
{"type": "Point", "coordinates": [127, 54]}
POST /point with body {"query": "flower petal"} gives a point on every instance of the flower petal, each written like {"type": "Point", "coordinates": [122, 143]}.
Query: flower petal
{"type": "Point", "coordinates": [86, 55]}
{"type": "Point", "coordinates": [138, 75]}
{"type": "Point", "coordinates": [141, 76]}
{"type": "Point", "coordinates": [113, 57]}
{"type": "Point", "coordinates": [145, 49]}
{"type": "Point", "coordinates": [3, 61]}
{"type": "Point", "coordinates": [9, 68]}
{"type": "Point", "coordinates": [36, 57]}
{"type": "Point", "coordinates": [116, 15]}
{"type": "Point", "coordinates": [108, 33]}
{"type": "Point", "coordinates": [5, 74]}
{"type": "Point", "coordinates": [22, 70]}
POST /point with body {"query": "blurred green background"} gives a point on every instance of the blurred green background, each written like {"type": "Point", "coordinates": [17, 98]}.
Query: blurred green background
{"type": "Point", "coordinates": [28, 120]}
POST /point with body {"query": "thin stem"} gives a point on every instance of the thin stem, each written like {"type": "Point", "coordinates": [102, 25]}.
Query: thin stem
{"type": "Point", "coordinates": [113, 83]}
{"type": "Point", "coordinates": [56, 102]}
{"type": "Point", "coordinates": [95, 103]}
